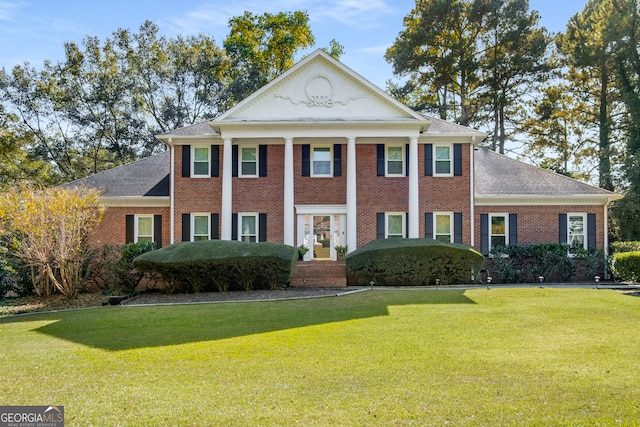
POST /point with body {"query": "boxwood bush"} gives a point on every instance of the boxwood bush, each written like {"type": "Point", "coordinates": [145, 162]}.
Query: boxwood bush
{"type": "Point", "coordinates": [412, 262]}
{"type": "Point", "coordinates": [626, 266]}
{"type": "Point", "coordinates": [217, 265]}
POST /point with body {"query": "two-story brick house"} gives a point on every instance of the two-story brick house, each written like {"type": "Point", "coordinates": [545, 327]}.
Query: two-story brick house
{"type": "Point", "coordinates": [321, 157]}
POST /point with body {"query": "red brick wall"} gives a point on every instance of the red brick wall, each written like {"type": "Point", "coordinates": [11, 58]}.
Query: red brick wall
{"type": "Point", "coordinates": [112, 228]}
{"type": "Point", "coordinates": [540, 224]}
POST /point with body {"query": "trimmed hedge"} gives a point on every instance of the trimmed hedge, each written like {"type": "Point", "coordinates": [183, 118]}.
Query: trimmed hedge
{"type": "Point", "coordinates": [218, 265]}
{"type": "Point", "coordinates": [629, 246]}
{"type": "Point", "coordinates": [626, 266]}
{"type": "Point", "coordinates": [412, 262]}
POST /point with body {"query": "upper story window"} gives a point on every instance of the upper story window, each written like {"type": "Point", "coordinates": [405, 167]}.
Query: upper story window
{"type": "Point", "coordinates": [576, 226]}
{"type": "Point", "coordinates": [143, 228]}
{"type": "Point", "coordinates": [443, 226]}
{"type": "Point", "coordinates": [395, 225]}
{"type": "Point", "coordinates": [442, 160]}
{"type": "Point", "coordinates": [498, 230]}
{"type": "Point", "coordinates": [249, 162]}
{"type": "Point", "coordinates": [200, 226]}
{"type": "Point", "coordinates": [395, 161]}
{"type": "Point", "coordinates": [321, 159]}
{"type": "Point", "coordinates": [200, 163]}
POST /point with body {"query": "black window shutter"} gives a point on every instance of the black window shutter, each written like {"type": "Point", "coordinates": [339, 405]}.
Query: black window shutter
{"type": "Point", "coordinates": [337, 160]}
{"type": "Point", "coordinates": [484, 234]}
{"type": "Point", "coordinates": [457, 227]}
{"type": "Point", "coordinates": [214, 228]}
{"type": "Point", "coordinates": [428, 159]}
{"type": "Point", "coordinates": [262, 227]}
{"type": "Point", "coordinates": [591, 231]}
{"type": "Point", "coordinates": [234, 160]}
{"type": "Point", "coordinates": [380, 160]}
{"type": "Point", "coordinates": [562, 227]}
{"type": "Point", "coordinates": [380, 231]}
{"type": "Point", "coordinates": [513, 229]}
{"type": "Point", "coordinates": [234, 226]}
{"type": "Point", "coordinates": [406, 159]}
{"type": "Point", "coordinates": [306, 160]}
{"type": "Point", "coordinates": [428, 225]}
{"type": "Point", "coordinates": [457, 159]}
{"type": "Point", "coordinates": [215, 160]}
{"type": "Point", "coordinates": [157, 230]}
{"type": "Point", "coordinates": [129, 229]}
{"type": "Point", "coordinates": [262, 160]}
{"type": "Point", "coordinates": [186, 227]}
{"type": "Point", "coordinates": [406, 225]}
{"type": "Point", "coordinates": [186, 161]}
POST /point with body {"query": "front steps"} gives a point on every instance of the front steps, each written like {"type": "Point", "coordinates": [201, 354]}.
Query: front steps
{"type": "Point", "coordinates": [320, 274]}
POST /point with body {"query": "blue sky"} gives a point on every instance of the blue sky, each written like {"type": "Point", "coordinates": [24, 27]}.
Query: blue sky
{"type": "Point", "coordinates": [35, 30]}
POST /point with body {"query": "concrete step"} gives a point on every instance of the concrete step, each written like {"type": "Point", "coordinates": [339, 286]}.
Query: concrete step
{"type": "Point", "coordinates": [320, 274]}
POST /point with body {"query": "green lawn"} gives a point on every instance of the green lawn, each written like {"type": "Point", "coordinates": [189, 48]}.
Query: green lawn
{"type": "Point", "coordinates": [389, 358]}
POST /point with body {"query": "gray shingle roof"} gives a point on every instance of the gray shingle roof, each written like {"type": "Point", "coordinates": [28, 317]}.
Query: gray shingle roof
{"type": "Point", "coordinates": [145, 177]}
{"type": "Point", "coordinates": [198, 129]}
{"type": "Point", "coordinates": [501, 176]}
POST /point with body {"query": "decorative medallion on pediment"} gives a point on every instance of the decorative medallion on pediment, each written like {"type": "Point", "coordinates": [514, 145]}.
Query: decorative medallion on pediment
{"type": "Point", "coordinates": [319, 91]}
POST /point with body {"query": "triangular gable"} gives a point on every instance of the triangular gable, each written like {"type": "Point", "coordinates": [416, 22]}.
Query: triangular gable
{"type": "Point", "coordinates": [319, 88]}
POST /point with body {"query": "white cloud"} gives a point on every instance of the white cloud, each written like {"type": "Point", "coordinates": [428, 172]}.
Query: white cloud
{"type": "Point", "coordinates": [8, 9]}
{"type": "Point", "coordinates": [361, 14]}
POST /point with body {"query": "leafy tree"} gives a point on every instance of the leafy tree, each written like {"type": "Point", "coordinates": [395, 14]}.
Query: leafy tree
{"type": "Point", "coordinates": [587, 45]}
{"type": "Point", "coordinates": [49, 229]}
{"type": "Point", "coordinates": [261, 47]}
{"type": "Point", "coordinates": [513, 58]}
{"type": "Point", "coordinates": [437, 52]}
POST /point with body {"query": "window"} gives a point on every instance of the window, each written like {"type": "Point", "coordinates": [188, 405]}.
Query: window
{"type": "Point", "coordinates": [249, 162]}
{"type": "Point", "coordinates": [498, 230]}
{"type": "Point", "coordinates": [200, 164]}
{"type": "Point", "coordinates": [200, 226]}
{"type": "Point", "coordinates": [321, 161]}
{"type": "Point", "coordinates": [395, 227]}
{"type": "Point", "coordinates": [144, 228]}
{"type": "Point", "coordinates": [248, 224]}
{"type": "Point", "coordinates": [443, 231]}
{"type": "Point", "coordinates": [395, 161]}
{"type": "Point", "coordinates": [442, 160]}
{"type": "Point", "coordinates": [576, 230]}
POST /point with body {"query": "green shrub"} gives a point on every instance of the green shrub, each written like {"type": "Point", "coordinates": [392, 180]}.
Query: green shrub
{"type": "Point", "coordinates": [630, 246]}
{"type": "Point", "coordinates": [218, 265]}
{"type": "Point", "coordinates": [412, 262]}
{"type": "Point", "coordinates": [626, 266]}
{"type": "Point", "coordinates": [113, 268]}
{"type": "Point", "coordinates": [516, 264]}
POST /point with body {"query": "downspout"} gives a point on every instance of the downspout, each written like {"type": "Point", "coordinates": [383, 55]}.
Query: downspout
{"type": "Point", "coordinates": [606, 239]}
{"type": "Point", "coordinates": [472, 197]}
{"type": "Point", "coordinates": [171, 191]}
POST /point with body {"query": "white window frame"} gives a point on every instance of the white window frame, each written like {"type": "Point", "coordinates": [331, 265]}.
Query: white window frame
{"type": "Point", "coordinates": [506, 228]}
{"type": "Point", "coordinates": [193, 225]}
{"type": "Point", "coordinates": [583, 215]}
{"type": "Point", "coordinates": [451, 225]}
{"type": "Point", "coordinates": [403, 216]}
{"type": "Point", "coordinates": [312, 163]}
{"type": "Point", "coordinates": [241, 174]}
{"type": "Point", "coordinates": [241, 233]}
{"type": "Point", "coordinates": [136, 228]}
{"type": "Point", "coordinates": [193, 161]}
{"type": "Point", "coordinates": [435, 159]}
{"type": "Point", "coordinates": [402, 160]}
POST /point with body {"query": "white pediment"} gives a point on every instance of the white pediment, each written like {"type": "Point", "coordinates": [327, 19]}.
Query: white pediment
{"type": "Point", "coordinates": [319, 88]}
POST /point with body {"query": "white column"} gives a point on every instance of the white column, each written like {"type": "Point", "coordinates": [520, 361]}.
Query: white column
{"type": "Point", "coordinates": [172, 191]}
{"type": "Point", "coordinates": [227, 196]}
{"type": "Point", "coordinates": [289, 214]}
{"type": "Point", "coordinates": [414, 197]}
{"type": "Point", "coordinates": [352, 206]}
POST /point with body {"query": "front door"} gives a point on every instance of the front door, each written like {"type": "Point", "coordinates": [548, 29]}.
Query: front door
{"type": "Point", "coordinates": [321, 234]}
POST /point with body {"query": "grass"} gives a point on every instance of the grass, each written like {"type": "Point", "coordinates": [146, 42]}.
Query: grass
{"type": "Point", "coordinates": [420, 357]}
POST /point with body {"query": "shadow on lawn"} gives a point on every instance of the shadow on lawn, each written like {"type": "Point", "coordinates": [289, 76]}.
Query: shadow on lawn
{"type": "Point", "coordinates": [124, 328]}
